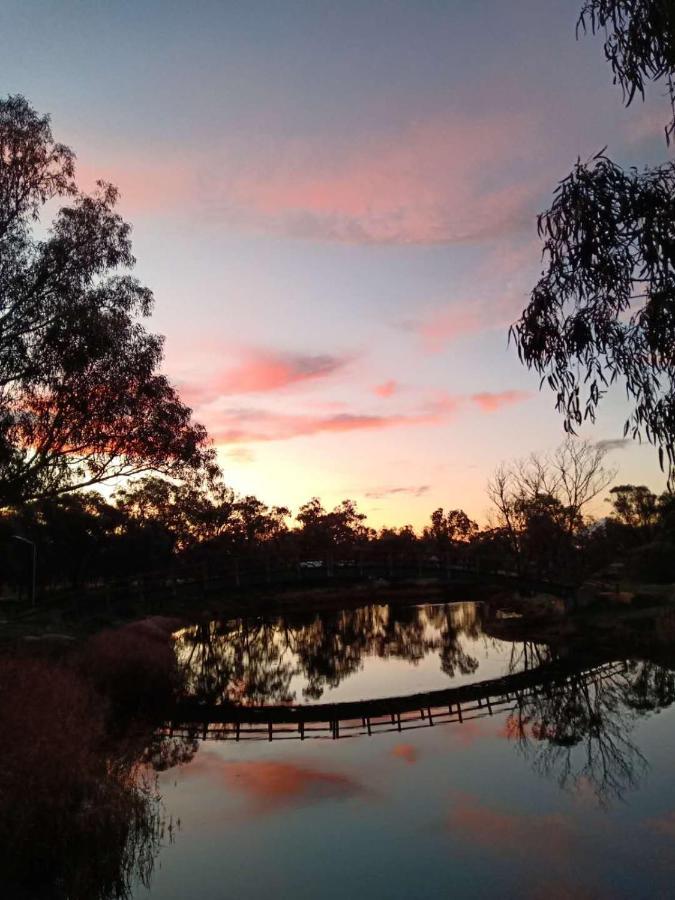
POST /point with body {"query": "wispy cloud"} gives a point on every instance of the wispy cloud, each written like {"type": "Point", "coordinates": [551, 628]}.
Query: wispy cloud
{"type": "Point", "coordinates": [506, 274]}
{"type": "Point", "coordinates": [444, 325]}
{"type": "Point", "coordinates": [378, 493]}
{"type": "Point", "coordinates": [449, 179]}
{"type": "Point", "coordinates": [647, 124]}
{"type": "Point", "coordinates": [489, 402]}
{"type": "Point", "coordinates": [423, 186]}
{"type": "Point", "coordinates": [241, 455]}
{"type": "Point", "coordinates": [241, 425]}
{"type": "Point", "coordinates": [234, 425]}
{"type": "Point", "coordinates": [662, 825]}
{"type": "Point", "coordinates": [613, 444]}
{"type": "Point", "coordinates": [387, 388]}
{"type": "Point", "coordinates": [262, 371]}
{"type": "Point", "coordinates": [551, 835]}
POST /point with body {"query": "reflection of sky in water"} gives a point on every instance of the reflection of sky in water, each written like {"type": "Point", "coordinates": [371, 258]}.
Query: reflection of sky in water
{"type": "Point", "coordinates": [401, 656]}
{"type": "Point", "coordinates": [453, 810]}
{"type": "Point", "coordinates": [491, 807]}
{"type": "Point", "coordinates": [393, 676]}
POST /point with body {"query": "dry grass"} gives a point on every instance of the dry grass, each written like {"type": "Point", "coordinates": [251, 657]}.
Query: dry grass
{"type": "Point", "coordinates": [79, 817]}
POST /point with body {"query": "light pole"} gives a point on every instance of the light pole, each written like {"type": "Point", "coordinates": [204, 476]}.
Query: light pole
{"type": "Point", "coordinates": [17, 537]}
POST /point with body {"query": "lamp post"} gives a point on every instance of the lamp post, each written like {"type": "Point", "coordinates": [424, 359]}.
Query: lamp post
{"type": "Point", "coordinates": [17, 537]}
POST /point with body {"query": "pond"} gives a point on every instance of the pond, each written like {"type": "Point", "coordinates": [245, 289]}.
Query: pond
{"type": "Point", "coordinates": [462, 764]}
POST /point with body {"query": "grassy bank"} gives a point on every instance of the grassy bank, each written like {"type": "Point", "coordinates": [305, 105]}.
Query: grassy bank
{"type": "Point", "coordinates": [80, 817]}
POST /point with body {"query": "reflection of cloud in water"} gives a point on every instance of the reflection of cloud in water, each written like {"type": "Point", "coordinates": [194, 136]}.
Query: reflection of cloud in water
{"type": "Point", "coordinates": [472, 731]}
{"type": "Point", "coordinates": [550, 836]}
{"type": "Point", "coordinates": [565, 890]}
{"type": "Point", "coordinates": [272, 786]}
{"type": "Point", "coordinates": [407, 752]}
{"type": "Point", "coordinates": [662, 825]}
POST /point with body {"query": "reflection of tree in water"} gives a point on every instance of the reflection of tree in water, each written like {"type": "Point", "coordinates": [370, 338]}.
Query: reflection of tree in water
{"type": "Point", "coordinates": [579, 732]}
{"type": "Point", "coordinates": [527, 655]}
{"type": "Point", "coordinates": [80, 813]}
{"type": "Point", "coordinates": [255, 660]}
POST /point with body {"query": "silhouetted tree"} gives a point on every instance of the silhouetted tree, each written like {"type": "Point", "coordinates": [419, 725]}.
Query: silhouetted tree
{"type": "Point", "coordinates": [255, 661]}
{"type": "Point", "coordinates": [639, 43]}
{"type": "Point", "coordinates": [446, 528]}
{"type": "Point", "coordinates": [191, 513]}
{"type": "Point", "coordinates": [539, 504]}
{"type": "Point", "coordinates": [604, 308]}
{"type": "Point", "coordinates": [323, 534]}
{"type": "Point", "coordinates": [81, 397]}
{"type": "Point", "coordinates": [635, 506]}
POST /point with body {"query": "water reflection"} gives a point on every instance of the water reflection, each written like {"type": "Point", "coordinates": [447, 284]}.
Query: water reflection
{"type": "Point", "coordinates": [84, 799]}
{"type": "Point", "coordinates": [292, 659]}
{"type": "Point", "coordinates": [580, 733]}
{"type": "Point", "coordinates": [572, 721]}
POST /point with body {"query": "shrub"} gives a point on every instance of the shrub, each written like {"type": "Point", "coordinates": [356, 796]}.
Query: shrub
{"type": "Point", "coordinates": [134, 667]}
{"type": "Point", "coordinates": [75, 821]}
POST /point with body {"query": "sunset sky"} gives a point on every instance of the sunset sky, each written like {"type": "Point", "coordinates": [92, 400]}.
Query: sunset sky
{"type": "Point", "coordinates": [335, 205]}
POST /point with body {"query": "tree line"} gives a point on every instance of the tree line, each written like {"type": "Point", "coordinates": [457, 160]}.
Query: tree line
{"type": "Point", "coordinates": [538, 528]}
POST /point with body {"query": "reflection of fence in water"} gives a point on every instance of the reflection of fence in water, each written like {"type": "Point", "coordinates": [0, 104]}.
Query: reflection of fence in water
{"type": "Point", "coordinates": [353, 719]}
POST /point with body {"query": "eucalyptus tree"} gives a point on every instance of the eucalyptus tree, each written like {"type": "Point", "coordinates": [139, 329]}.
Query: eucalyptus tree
{"type": "Point", "coordinates": [603, 310]}
{"type": "Point", "coordinates": [82, 399]}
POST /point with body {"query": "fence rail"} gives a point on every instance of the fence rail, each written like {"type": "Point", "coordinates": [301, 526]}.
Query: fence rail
{"type": "Point", "coordinates": [153, 590]}
{"type": "Point", "coordinates": [334, 721]}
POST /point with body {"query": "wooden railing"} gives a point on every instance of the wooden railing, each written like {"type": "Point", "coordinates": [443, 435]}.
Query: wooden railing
{"type": "Point", "coordinates": [333, 721]}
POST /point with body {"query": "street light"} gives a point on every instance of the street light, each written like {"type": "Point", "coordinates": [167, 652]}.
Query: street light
{"type": "Point", "coordinates": [17, 537]}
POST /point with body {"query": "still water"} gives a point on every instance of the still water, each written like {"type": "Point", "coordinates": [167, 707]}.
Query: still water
{"type": "Point", "coordinates": [562, 786]}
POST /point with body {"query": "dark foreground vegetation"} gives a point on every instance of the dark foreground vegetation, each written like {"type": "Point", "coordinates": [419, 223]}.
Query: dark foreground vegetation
{"type": "Point", "coordinates": [80, 815]}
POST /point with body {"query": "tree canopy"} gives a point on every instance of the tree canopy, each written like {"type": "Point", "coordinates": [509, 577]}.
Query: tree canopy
{"type": "Point", "coordinates": [82, 399]}
{"type": "Point", "coordinates": [603, 310]}
{"type": "Point", "coordinates": [639, 43]}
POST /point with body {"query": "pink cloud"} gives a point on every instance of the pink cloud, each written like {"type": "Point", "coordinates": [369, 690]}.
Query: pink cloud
{"type": "Point", "coordinates": [646, 124]}
{"type": "Point", "coordinates": [262, 371]}
{"type": "Point", "coordinates": [239, 425]}
{"type": "Point", "coordinates": [425, 185]}
{"type": "Point", "coordinates": [243, 425]}
{"type": "Point", "coordinates": [662, 825]}
{"type": "Point", "coordinates": [489, 402]}
{"type": "Point", "coordinates": [386, 389]}
{"type": "Point", "coordinates": [242, 455]}
{"type": "Point", "coordinates": [506, 273]}
{"type": "Point", "coordinates": [147, 186]}
{"type": "Point", "coordinates": [445, 325]}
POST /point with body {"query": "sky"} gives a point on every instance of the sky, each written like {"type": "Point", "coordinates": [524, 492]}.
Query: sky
{"type": "Point", "coordinates": [335, 206]}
